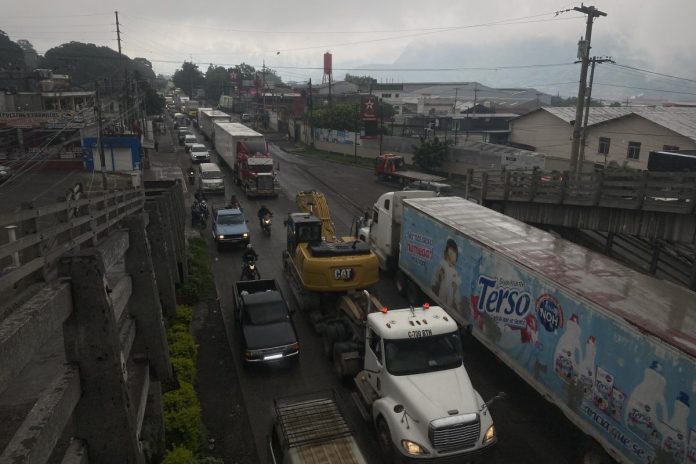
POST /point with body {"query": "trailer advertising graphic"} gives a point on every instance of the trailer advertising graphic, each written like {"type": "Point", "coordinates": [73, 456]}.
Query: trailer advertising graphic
{"type": "Point", "coordinates": [632, 389]}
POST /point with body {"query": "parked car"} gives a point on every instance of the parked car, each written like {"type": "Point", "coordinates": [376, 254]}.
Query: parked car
{"type": "Point", "coordinates": [189, 141]}
{"type": "Point", "coordinates": [5, 173]}
{"type": "Point", "coordinates": [199, 153]}
{"type": "Point", "coordinates": [443, 190]}
{"type": "Point", "coordinates": [230, 226]}
{"type": "Point", "coordinates": [246, 117]}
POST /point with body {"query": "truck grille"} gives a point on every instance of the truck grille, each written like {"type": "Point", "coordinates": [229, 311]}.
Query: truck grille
{"type": "Point", "coordinates": [455, 433]}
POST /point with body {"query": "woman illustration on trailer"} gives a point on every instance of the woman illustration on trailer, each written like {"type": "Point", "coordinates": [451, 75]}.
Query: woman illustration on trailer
{"type": "Point", "coordinates": [447, 280]}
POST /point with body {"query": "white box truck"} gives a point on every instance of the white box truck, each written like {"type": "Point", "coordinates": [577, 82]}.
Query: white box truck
{"type": "Point", "coordinates": [207, 117]}
{"type": "Point", "coordinates": [245, 151]}
{"type": "Point", "coordinates": [613, 349]}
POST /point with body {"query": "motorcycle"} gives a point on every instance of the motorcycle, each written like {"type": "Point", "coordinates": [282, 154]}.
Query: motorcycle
{"type": "Point", "coordinates": [250, 271]}
{"type": "Point", "coordinates": [266, 224]}
{"type": "Point", "coordinates": [199, 213]}
{"type": "Point", "coordinates": [191, 176]}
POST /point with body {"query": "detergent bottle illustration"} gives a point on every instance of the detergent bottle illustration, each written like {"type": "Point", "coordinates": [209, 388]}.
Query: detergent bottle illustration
{"type": "Point", "coordinates": [568, 349]}
{"type": "Point", "coordinates": [643, 404]}
{"type": "Point", "coordinates": [587, 368]}
{"type": "Point", "coordinates": [674, 432]}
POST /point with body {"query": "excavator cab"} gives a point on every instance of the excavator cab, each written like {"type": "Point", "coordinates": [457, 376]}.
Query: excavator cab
{"type": "Point", "coordinates": [302, 228]}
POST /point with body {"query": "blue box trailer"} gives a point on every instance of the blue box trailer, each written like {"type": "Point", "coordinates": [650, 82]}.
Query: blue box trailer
{"type": "Point", "coordinates": [614, 349]}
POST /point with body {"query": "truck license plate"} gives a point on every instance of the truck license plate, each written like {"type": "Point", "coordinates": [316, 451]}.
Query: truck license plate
{"type": "Point", "coordinates": [343, 273]}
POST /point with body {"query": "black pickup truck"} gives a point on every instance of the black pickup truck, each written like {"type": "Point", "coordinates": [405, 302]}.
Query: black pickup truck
{"type": "Point", "coordinates": [264, 320]}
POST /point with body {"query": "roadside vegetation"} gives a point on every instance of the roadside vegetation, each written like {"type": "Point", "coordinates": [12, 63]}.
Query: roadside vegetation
{"type": "Point", "coordinates": [185, 434]}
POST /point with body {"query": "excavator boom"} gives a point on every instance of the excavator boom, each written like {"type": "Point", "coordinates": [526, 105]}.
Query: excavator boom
{"type": "Point", "coordinates": [313, 202]}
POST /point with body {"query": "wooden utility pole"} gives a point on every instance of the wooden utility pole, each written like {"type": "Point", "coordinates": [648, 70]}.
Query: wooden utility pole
{"type": "Point", "coordinates": [122, 116]}
{"type": "Point", "coordinates": [584, 47]}
{"type": "Point", "coordinates": [100, 146]}
{"type": "Point", "coordinates": [581, 157]}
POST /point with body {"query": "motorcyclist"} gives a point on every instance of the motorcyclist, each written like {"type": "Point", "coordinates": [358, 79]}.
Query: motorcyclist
{"type": "Point", "coordinates": [263, 211]}
{"type": "Point", "coordinates": [249, 254]}
{"type": "Point", "coordinates": [191, 175]}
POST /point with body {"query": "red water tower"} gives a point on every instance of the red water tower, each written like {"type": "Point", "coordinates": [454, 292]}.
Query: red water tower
{"type": "Point", "coordinates": [327, 68]}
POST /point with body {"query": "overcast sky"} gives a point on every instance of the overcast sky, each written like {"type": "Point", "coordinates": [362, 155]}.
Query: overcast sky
{"type": "Point", "coordinates": [292, 36]}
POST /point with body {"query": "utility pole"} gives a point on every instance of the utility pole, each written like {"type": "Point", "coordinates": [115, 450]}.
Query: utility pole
{"type": "Point", "coordinates": [581, 157]}
{"type": "Point", "coordinates": [100, 146]}
{"type": "Point", "coordinates": [381, 124]}
{"type": "Point", "coordinates": [263, 87]}
{"type": "Point", "coordinates": [357, 128]}
{"type": "Point", "coordinates": [584, 47]}
{"type": "Point", "coordinates": [124, 100]}
{"type": "Point", "coordinates": [309, 123]}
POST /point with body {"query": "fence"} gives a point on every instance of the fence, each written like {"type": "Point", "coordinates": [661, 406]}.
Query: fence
{"type": "Point", "coordinates": [648, 191]}
{"type": "Point", "coordinates": [82, 343]}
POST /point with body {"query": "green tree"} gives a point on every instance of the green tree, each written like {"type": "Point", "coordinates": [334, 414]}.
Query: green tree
{"type": "Point", "coordinates": [85, 63]}
{"type": "Point", "coordinates": [245, 71]}
{"type": "Point", "coordinates": [31, 58]}
{"type": "Point", "coordinates": [363, 82]}
{"type": "Point", "coordinates": [615, 104]}
{"type": "Point", "coordinates": [154, 102]}
{"type": "Point", "coordinates": [188, 78]}
{"type": "Point", "coordinates": [216, 82]}
{"type": "Point", "coordinates": [340, 116]}
{"type": "Point", "coordinates": [430, 153]}
{"type": "Point", "coordinates": [11, 54]}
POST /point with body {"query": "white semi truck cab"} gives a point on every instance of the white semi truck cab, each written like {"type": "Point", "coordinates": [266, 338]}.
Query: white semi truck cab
{"type": "Point", "coordinates": [416, 391]}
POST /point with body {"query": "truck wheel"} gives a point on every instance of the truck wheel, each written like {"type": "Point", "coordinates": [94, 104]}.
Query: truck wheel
{"type": "Point", "coordinates": [591, 453]}
{"type": "Point", "coordinates": [317, 320]}
{"type": "Point", "coordinates": [400, 281]}
{"type": "Point", "coordinates": [386, 447]}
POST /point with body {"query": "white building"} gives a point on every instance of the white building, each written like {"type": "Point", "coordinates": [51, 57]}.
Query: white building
{"type": "Point", "coordinates": [623, 136]}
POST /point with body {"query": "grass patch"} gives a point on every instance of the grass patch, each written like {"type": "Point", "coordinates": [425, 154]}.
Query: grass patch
{"type": "Point", "coordinates": [200, 284]}
{"type": "Point", "coordinates": [340, 158]}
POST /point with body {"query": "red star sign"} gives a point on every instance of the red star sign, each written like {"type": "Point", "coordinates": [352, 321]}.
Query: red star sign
{"type": "Point", "coordinates": [369, 104]}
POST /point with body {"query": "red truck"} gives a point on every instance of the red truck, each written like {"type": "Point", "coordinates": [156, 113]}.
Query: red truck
{"type": "Point", "coordinates": [389, 167]}
{"type": "Point", "coordinates": [245, 151]}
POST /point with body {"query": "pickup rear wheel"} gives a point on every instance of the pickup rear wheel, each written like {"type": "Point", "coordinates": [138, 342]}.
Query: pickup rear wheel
{"type": "Point", "coordinates": [386, 447]}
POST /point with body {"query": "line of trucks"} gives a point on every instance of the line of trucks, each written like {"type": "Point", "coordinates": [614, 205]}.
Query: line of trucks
{"type": "Point", "coordinates": [244, 150]}
{"type": "Point", "coordinates": [612, 348]}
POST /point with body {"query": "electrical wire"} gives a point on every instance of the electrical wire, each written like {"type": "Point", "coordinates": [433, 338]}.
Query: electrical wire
{"type": "Point", "coordinates": [652, 72]}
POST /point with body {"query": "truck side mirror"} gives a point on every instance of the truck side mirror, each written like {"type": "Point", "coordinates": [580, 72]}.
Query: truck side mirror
{"type": "Point", "coordinates": [398, 408]}
{"type": "Point", "coordinates": [499, 396]}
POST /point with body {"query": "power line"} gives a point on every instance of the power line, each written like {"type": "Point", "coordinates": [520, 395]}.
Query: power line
{"type": "Point", "coordinates": [360, 32]}
{"type": "Point", "coordinates": [654, 72]}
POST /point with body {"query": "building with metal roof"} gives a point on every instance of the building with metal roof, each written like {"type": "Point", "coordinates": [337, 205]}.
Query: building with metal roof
{"type": "Point", "coordinates": [621, 136]}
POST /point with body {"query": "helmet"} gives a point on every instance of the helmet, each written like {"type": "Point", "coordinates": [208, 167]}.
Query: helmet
{"type": "Point", "coordinates": [263, 206]}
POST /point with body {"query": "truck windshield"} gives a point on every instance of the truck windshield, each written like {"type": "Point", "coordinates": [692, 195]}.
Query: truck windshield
{"type": "Point", "coordinates": [268, 313]}
{"type": "Point", "coordinates": [426, 354]}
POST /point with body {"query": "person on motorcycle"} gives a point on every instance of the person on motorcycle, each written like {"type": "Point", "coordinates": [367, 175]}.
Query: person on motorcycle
{"type": "Point", "coordinates": [249, 254]}
{"type": "Point", "coordinates": [263, 211]}
{"type": "Point", "coordinates": [248, 257]}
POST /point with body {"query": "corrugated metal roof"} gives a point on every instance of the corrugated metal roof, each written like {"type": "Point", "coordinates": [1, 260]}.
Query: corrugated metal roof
{"type": "Point", "coordinates": [680, 120]}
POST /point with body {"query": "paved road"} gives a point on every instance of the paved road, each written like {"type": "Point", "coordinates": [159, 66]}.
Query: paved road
{"type": "Point", "coordinates": [530, 431]}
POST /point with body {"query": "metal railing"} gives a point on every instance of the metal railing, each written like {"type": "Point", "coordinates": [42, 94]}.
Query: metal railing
{"type": "Point", "coordinates": [672, 192]}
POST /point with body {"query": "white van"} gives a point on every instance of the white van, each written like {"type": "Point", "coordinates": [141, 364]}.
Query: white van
{"type": "Point", "coordinates": [210, 179]}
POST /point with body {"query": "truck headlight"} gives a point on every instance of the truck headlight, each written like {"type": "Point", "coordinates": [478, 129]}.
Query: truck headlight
{"type": "Point", "coordinates": [245, 235]}
{"type": "Point", "coordinates": [489, 436]}
{"type": "Point", "coordinates": [221, 237]}
{"type": "Point", "coordinates": [413, 448]}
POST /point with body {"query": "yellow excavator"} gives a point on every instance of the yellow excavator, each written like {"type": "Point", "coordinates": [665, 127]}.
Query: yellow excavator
{"type": "Point", "coordinates": [321, 266]}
